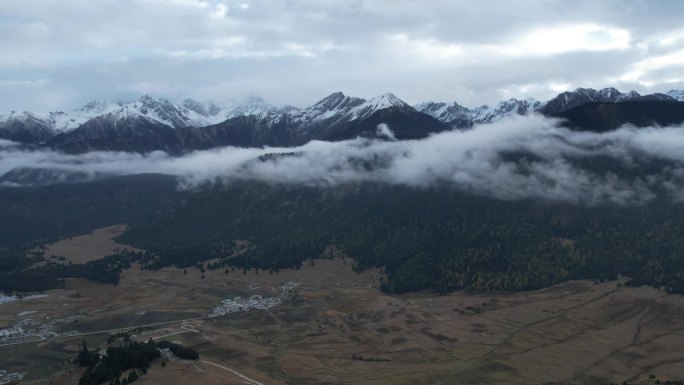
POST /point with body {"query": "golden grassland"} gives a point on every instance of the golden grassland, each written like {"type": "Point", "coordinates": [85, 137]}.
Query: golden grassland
{"type": "Point", "coordinates": [345, 331]}
{"type": "Point", "coordinates": [88, 247]}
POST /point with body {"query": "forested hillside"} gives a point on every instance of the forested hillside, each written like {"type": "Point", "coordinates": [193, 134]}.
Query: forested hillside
{"type": "Point", "coordinates": [438, 238]}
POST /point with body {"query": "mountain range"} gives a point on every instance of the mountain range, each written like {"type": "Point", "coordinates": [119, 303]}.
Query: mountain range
{"type": "Point", "coordinates": [150, 124]}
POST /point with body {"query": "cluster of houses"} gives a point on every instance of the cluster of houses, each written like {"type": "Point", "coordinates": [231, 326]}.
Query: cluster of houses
{"type": "Point", "coordinates": [20, 332]}
{"type": "Point", "coordinates": [28, 330]}
{"type": "Point", "coordinates": [239, 304]}
{"type": "Point", "coordinates": [7, 377]}
{"type": "Point", "coordinates": [11, 298]}
{"type": "Point", "coordinates": [166, 354]}
{"type": "Point", "coordinates": [289, 285]}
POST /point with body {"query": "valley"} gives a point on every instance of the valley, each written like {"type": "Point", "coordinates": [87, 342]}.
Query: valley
{"type": "Point", "coordinates": [333, 325]}
{"type": "Point", "coordinates": [301, 192]}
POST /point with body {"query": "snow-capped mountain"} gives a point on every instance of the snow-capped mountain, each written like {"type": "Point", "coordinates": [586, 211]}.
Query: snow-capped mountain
{"type": "Point", "coordinates": [567, 100]}
{"type": "Point", "coordinates": [159, 110]}
{"type": "Point", "coordinates": [334, 105]}
{"type": "Point", "coordinates": [216, 111]}
{"type": "Point", "coordinates": [24, 127]}
{"type": "Point", "coordinates": [677, 95]}
{"type": "Point", "coordinates": [190, 113]}
{"type": "Point", "coordinates": [338, 108]}
{"type": "Point", "coordinates": [335, 117]}
{"type": "Point", "coordinates": [159, 124]}
{"type": "Point", "coordinates": [254, 122]}
{"type": "Point", "coordinates": [339, 117]}
{"type": "Point", "coordinates": [486, 114]}
{"type": "Point", "coordinates": [454, 114]}
{"type": "Point", "coordinates": [459, 116]}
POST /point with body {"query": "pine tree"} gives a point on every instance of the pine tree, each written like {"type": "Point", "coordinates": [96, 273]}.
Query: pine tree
{"type": "Point", "coordinates": [132, 376]}
{"type": "Point", "coordinates": [84, 356]}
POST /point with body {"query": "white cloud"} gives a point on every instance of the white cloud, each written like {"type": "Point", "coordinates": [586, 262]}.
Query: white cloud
{"type": "Point", "coordinates": [541, 41]}
{"type": "Point", "coordinates": [553, 40]}
{"type": "Point", "coordinates": [220, 11]}
{"type": "Point", "coordinates": [645, 72]}
{"type": "Point", "coordinates": [551, 163]}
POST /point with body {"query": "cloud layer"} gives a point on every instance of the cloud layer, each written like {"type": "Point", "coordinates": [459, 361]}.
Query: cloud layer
{"type": "Point", "coordinates": [62, 54]}
{"type": "Point", "coordinates": [518, 158]}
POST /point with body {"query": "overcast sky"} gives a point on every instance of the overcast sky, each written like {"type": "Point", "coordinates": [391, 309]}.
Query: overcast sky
{"type": "Point", "coordinates": [61, 54]}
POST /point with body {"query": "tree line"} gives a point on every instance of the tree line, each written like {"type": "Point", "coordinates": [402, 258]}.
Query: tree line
{"type": "Point", "coordinates": [135, 357]}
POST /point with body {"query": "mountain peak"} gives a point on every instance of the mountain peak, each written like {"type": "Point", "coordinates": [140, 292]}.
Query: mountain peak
{"type": "Point", "coordinates": [336, 101]}
{"type": "Point", "coordinates": [194, 105]}
{"type": "Point", "coordinates": [337, 95]}
{"type": "Point", "coordinates": [566, 100]}
{"type": "Point", "coordinates": [334, 97]}
{"type": "Point", "coordinates": [387, 100]}
{"type": "Point", "coordinates": [532, 101]}
{"type": "Point", "coordinates": [676, 94]}
{"type": "Point", "coordinates": [151, 102]}
{"type": "Point", "coordinates": [146, 99]}
{"type": "Point", "coordinates": [610, 91]}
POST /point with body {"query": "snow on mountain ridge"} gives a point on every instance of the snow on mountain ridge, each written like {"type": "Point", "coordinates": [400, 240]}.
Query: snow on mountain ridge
{"type": "Point", "coordinates": [464, 117]}
{"type": "Point", "coordinates": [461, 116]}
{"type": "Point", "coordinates": [337, 107]}
{"type": "Point", "coordinates": [186, 114]}
{"type": "Point", "coordinates": [24, 126]}
{"type": "Point", "coordinates": [676, 94]}
{"type": "Point", "coordinates": [217, 111]}
{"type": "Point", "coordinates": [335, 104]}
{"type": "Point", "coordinates": [569, 99]}
{"type": "Point", "coordinates": [61, 121]}
{"type": "Point", "coordinates": [252, 105]}
{"type": "Point", "coordinates": [386, 100]}
{"type": "Point", "coordinates": [380, 102]}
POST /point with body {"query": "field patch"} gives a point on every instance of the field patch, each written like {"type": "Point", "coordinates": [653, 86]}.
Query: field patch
{"type": "Point", "coordinates": [88, 247]}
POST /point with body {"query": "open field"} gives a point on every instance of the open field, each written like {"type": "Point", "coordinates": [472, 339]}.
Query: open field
{"type": "Point", "coordinates": [88, 247]}
{"type": "Point", "coordinates": [344, 331]}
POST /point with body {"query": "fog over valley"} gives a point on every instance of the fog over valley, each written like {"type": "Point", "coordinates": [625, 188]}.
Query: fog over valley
{"type": "Point", "coordinates": [516, 158]}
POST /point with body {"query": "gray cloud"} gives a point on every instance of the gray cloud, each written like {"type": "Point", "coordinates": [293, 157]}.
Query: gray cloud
{"type": "Point", "coordinates": [62, 54]}
{"type": "Point", "coordinates": [517, 158]}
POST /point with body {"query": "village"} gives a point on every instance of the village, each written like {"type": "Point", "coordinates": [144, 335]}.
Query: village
{"type": "Point", "coordinates": [30, 329]}
{"type": "Point", "coordinates": [239, 304]}
{"type": "Point", "coordinates": [11, 298]}
{"type": "Point", "coordinates": [27, 330]}
{"type": "Point", "coordinates": [7, 377]}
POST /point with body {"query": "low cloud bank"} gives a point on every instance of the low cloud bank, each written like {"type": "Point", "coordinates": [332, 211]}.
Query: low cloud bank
{"type": "Point", "coordinates": [517, 158]}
